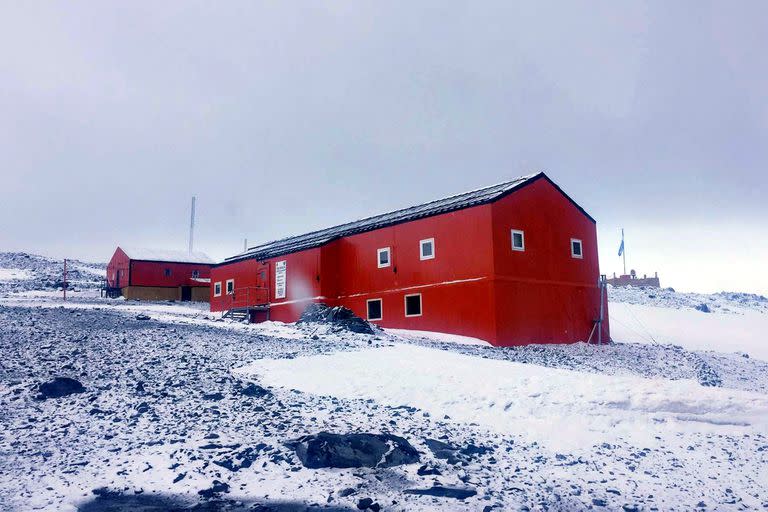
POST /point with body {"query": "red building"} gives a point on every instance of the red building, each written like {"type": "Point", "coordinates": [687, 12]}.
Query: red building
{"type": "Point", "coordinates": [159, 275]}
{"type": "Point", "coordinates": [514, 263]}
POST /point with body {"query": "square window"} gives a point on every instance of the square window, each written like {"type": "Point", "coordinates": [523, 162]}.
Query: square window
{"type": "Point", "coordinates": [195, 274]}
{"type": "Point", "coordinates": [413, 305]}
{"type": "Point", "coordinates": [427, 251]}
{"type": "Point", "coordinates": [230, 286]}
{"type": "Point", "coordinates": [217, 289]}
{"type": "Point", "coordinates": [167, 272]}
{"type": "Point", "coordinates": [576, 251]}
{"type": "Point", "coordinates": [383, 258]}
{"type": "Point", "coordinates": [374, 309]}
{"type": "Point", "coordinates": [518, 240]}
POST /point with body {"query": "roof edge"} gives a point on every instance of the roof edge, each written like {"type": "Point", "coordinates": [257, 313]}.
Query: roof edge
{"type": "Point", "coordinates": [527, 180]}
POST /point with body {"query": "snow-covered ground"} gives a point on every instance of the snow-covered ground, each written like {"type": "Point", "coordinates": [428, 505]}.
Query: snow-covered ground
{"type": "Point", "coordinates": [164, 424]}
{"type": "Point", "coordinates": [722, 322]}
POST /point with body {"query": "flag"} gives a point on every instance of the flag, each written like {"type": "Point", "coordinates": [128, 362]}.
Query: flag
{"type": "Point", "coordinates": [621, 247]}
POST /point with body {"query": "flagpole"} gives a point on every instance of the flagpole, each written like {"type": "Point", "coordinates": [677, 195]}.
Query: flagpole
{"type": "Point", "coordinates": [624, 252]}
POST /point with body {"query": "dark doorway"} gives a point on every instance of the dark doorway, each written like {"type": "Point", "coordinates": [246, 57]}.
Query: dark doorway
{"type": "Point", "coordinates": [186, 293]}
{"type": "Point", "coordinates": [117, 279]}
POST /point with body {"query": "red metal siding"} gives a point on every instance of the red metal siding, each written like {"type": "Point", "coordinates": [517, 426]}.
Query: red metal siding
{"type": "Point", "coordinates": [302, 284]}
{"type": "Point", "coordinates": [152, 273]}
{"type": "Point", "coordinates": [474, 286]}
{"type": "Point", "coordinates": [543, 294]}
{"type": "Point", "coordinates": [121, 262]}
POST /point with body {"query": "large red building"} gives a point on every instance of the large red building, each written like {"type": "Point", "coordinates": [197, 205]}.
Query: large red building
{"type": "Point", "coordinates": [159, 275]}
{"type": "Point", "coordinates": [513, 263]}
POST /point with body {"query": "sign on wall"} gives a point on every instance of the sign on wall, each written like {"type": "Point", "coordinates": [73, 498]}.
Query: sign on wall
{"type": "Point", "coordinates": [280, 279]}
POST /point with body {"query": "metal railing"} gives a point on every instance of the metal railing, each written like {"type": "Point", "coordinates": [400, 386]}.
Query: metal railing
{"type": "Point", "coordinates": [248, 297]}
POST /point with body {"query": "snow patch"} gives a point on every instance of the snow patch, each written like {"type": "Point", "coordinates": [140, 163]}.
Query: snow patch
{"type": "Point", "coordinates": [561, 409]}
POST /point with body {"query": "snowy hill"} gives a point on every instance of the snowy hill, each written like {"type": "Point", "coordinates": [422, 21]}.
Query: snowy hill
{"type": "Point", "coordinates": [179, 410]}
{"type": "Point", "coordinates": [723, 322]}
{"type": "Point", "coordinates": [22, 272]}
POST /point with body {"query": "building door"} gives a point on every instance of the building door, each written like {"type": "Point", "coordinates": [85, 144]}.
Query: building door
{"type": "Point", "coordinates": [186, 293]}
{"type": "Point", "coordinates": [117, 279]}
{"type": "Point", "coordinates": [262, 283]}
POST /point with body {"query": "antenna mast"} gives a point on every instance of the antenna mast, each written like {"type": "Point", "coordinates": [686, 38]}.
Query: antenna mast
{"type": "Point", "coordinates": [192, 226]}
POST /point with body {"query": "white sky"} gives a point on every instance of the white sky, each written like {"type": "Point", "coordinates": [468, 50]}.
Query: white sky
{"type": "Point", "coordinates": [285, 117]}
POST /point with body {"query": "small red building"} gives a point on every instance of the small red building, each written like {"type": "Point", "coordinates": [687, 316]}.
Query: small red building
{"type": "Point", "coordinates": [148, 274]}
{"type": "Point", "coordinates": [513, 263]}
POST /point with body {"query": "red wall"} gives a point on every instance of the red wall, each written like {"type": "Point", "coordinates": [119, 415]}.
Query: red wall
{"type": "Point", "coordinates": [302, 284]}
{"type": "Point", "coordinates": [152, 273]}
{"type": "Point", "coordinates": [119, 262]}
{"type": "Point", "coordinates": [475, 286]}
{"type": "Point", "coordinates": [543, 294]}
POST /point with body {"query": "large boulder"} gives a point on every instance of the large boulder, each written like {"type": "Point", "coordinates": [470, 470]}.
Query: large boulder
{"type": "Point", "coordinates": [337, 316]}
{"type": "Point", "coordinates": [59, 387]}
{"type": "Point", "coordinates": [325, 450]}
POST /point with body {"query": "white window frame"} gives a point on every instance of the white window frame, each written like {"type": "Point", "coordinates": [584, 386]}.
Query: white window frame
{"type": "Point", "coordinates": [512, 234]}
{"type": "Point", "coordinates": [387, 250]}
{"type": "Point", "coordinates": [405, 305]}
{"type": "Point", "coordinates": [226, 288]}
{"type": "Point", "coordinates": [381, 309]}
{"type": "Point", "coordinates": [581, 247]}
{"type": "Point", "coordinates": [217, 283]}
{"type": "Point", "coordinates": [422, 243]}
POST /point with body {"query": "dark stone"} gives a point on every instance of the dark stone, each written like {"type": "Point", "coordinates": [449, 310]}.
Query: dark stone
{"type": "Point", "coordinates": [326, 450]}
{"type": "Point", "coordinates": [364, 503]}
{"type": "Point", "coordinates": [443, 492]}
{"type": "Point", "coordinates": [59, 387]}
{"type": "Point", "coordinates": [337, 316]}
{"type": "Point", "coordinates": [347, 492]}
{"type": "Point", "coordinates": [599, 503]}
{"type": "Point", "coordinates": [242, 459]}
{"type": "Point", "coordinates": [254, 390]}
{"type": "Point", "coordinates": [142, 316]}
{"type": "Point", "coordinates": [454, 454]}
{"type": "Point", "coordinates": [440, 449]}
{"type": "Point", "coordinates": [215, 489]}
{"type": "Point", "coordinates": [213, 396]}
{"type": "Point", "coordinates": [703, 308]}
{"type": "Point", "coordinates": [425, 470]}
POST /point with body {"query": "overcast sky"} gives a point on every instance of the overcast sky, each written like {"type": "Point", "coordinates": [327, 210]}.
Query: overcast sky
{"type": "Point", "coordinates": [282, 117]}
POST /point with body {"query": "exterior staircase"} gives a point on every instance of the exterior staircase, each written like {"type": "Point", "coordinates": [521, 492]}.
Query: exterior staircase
{"type": "Point", "coordinates": [243, 314]}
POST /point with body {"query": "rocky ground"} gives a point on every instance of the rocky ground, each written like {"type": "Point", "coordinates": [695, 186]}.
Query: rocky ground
{"type": "Point", "coordinates": [163, 423]}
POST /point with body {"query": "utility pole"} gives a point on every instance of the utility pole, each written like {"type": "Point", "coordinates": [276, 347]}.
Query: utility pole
{"type": "Point", "coordinates": [64, 285]}
{"type": "Point", "coordinates": [192, 226]}
{"type": "Point", "coordinates": [245, 244]}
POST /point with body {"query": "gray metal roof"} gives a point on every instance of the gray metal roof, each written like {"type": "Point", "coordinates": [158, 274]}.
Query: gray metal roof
{"type": "Point", "coordinates": [445, 205]}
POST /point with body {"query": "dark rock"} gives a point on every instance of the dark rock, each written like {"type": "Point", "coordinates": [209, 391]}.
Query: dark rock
{"type": "Point", "coordinates": [426, 470]}
{"type": "Point", "coordinates": [347, 492]}
{"type": "Point", "coordinates": [364, 503]}
{"type": "Point", "coordinates": [443, 492]}
{"type": "Point", "coordinates": [326, 450]}
{"type": "Point", "coordinates": [142, 316]}
{"type": "Point", "coordinates": [59, 387]}
{"type": "Point", "coordinates": [215, 489]}
{"type": "Point", "coordinates": [242, 459]}
{"type": "Point", "coordinates": [337, 316]}
{"type": "Point", "coordinates": [254, 390]}
{"type": "Point", "coordinates": [440, 449]}
{"type": "Point", "coordinates": [213, 396]}
{"type": "Point", "coordinates": [703, 308]}
{"type": "Point", "coordinates": [599, 503]}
